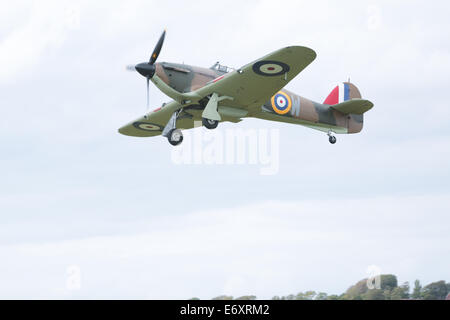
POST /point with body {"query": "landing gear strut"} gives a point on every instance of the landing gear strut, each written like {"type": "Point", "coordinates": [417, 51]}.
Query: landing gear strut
{"type": "Point", "coordinates": [331, 137]}
{"type": "Point", "coordinates": [211, 116]}
{"type": "Point", "coordinates": [174, 135]}
{"type": "Point", "coordinates": [210, 124]}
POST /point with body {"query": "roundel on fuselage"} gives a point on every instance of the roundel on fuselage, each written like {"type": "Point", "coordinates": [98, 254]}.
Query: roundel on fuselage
{"type": "Point", "coordinates": [281, 103]}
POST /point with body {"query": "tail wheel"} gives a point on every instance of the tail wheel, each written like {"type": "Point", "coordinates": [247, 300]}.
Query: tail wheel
{"type": "Point", "coordinates": [332, 139]}
{"type": "Point", "coordinates": [210, 124]}
{"type": "Point", "coordinates": [175, 137]}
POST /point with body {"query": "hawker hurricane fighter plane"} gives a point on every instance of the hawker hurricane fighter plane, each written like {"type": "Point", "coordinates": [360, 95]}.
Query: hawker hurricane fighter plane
{"type": "Point", "coordinates": [217, 94]}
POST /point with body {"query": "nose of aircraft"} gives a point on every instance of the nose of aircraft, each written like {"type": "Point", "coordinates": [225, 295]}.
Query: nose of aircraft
{"type": "Point", "coordinates": [146, 69]}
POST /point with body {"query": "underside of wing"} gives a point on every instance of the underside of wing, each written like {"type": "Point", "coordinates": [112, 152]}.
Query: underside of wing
{"type": "Point", "coordinates": [257, 82]}
{"type": "Point", "coordinates": [154, 122]}
{"type": "Point", "coordinates": [189, 117]}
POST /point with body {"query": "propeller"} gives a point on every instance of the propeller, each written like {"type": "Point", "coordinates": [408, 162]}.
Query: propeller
{"type": "Point", "coordinates": [148, 94]}
{"type": "Point", "coordinates": [148, 69]}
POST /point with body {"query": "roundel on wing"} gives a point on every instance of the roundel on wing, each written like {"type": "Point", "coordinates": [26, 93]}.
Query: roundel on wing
{"type": "Point", "coordinates": [270, 68]}
{"type": "Point", "coordinates": [281, 103]}
{"type": "Point", "coordinates": [147, 126]}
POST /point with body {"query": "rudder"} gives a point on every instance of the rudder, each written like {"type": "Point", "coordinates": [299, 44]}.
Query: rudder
{"type": "Point", "coordinates": [343, 92]}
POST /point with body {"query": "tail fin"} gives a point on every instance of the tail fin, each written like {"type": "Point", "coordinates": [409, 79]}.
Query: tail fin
{"type": "Point", "coordinates": [341, 93]}
{"type": "Point", "coordinates": [346, 99]}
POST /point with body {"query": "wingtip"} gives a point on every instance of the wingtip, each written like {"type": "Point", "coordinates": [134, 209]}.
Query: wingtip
{"type": "Point", "coordinates": [310, 51]}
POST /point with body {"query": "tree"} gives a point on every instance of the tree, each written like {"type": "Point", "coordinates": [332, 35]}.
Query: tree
{"type": "Point", "coordinates": [417, 291]}
{"type": "Point", "coordinates": [374, 294]}
{"type": "Point", "coordinates": [401, 292]}
{"type": "Point", "coordinates": [388, 281]}
{"type": "Point", "coordinates": [223, 298]}
{"type": "Point", "coordinates": [246, 298]}
{"type": "Point", "coordinates": [308, 295]}
{"type": "Point", "coordinates": [360, 291]}
{"type": "Point", "coordinates": [322, 296]}
{"type": "Point", "coordinates": [356, 291]}
{"type": "Point", "coordinates": [435, 291]}
{"type": "Point", "coordinates": [389, 290]}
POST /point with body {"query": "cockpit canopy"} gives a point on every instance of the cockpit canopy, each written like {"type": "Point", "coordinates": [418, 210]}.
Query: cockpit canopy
{"type": "Point", "coordinates": [217, 66]}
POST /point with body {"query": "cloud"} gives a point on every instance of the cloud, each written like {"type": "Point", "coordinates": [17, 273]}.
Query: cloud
{"type": "Point", "coordinates": [265, 249]}
{"type": "Point", "coordinates": [43, 25]}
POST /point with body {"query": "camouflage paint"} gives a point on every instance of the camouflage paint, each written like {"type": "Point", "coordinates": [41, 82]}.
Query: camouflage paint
{"type": "Point", "coordinates": [314, 113]}
{"type": "Point", "coordinates": [186, 78]}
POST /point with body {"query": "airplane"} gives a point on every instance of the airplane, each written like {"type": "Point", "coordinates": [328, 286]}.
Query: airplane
{"type": "Point", "coordinates": [218, 94]}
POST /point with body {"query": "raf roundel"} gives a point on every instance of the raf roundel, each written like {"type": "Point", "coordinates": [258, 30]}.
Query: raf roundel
{"type": "Point", "coordinates": [147, 126]}
{"type": "Point", "coordinates": [270, 68]}
{"type": "Point", "coordinates": [281, 103]}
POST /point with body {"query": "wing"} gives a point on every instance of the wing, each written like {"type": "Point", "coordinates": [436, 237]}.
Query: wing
{"type": "Point", "coordinates": [154, 122]}
{"type": "Point", "coordinates": [255, 83]}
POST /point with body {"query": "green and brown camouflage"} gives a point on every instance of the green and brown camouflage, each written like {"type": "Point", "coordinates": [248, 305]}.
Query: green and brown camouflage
{"type": "Point", "coordinates": [320, 116]}
{"type": "Point", "coordinates": [186, 78]}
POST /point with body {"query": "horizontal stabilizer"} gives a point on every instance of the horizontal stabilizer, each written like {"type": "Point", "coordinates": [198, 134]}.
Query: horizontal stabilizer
{"type": "Point", "coordinates": [354, 106]}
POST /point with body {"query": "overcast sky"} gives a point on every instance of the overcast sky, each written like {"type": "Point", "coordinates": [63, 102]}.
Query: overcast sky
{"type": "Point", "coordinates": [88, 213]}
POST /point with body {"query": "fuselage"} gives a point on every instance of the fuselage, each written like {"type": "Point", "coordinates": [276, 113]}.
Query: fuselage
{"type": "Point", "coordinates": [285, 106]}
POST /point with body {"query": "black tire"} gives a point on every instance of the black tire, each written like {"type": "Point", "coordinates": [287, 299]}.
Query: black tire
{"type": "Point", "coordinates": [332, 139]}
{"type": "Point", "coordinates": [210, 124]}
{"type": "Point", "coordinates": [175, 137]}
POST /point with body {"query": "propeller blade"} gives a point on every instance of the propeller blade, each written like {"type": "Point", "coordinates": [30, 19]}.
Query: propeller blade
{"type": "Point", "coordinates": [148, 95]}
{"type": "Point", "coordinates": [157, 49]}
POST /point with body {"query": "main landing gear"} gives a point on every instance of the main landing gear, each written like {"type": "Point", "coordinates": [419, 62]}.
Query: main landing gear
{"type": "Point", "coordinates": [331, 137]}
{"type": "Point", "coordinates": [210, 124]}
{"type": "Point", "coordinates": [174, 135]}
{"type": "Point", "coordinates": [210, 116]}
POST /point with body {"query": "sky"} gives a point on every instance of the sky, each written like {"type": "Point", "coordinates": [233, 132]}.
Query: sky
{"type": "Point", "coordinates": [87, 213]}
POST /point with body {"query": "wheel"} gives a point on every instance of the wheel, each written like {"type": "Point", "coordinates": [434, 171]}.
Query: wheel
{"type": "Point", "coordinates": [332, 139]}
{"type": "Point", "coordinates": [210, 124]}
{"type": "Point", "coordinates": [175, 137]}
